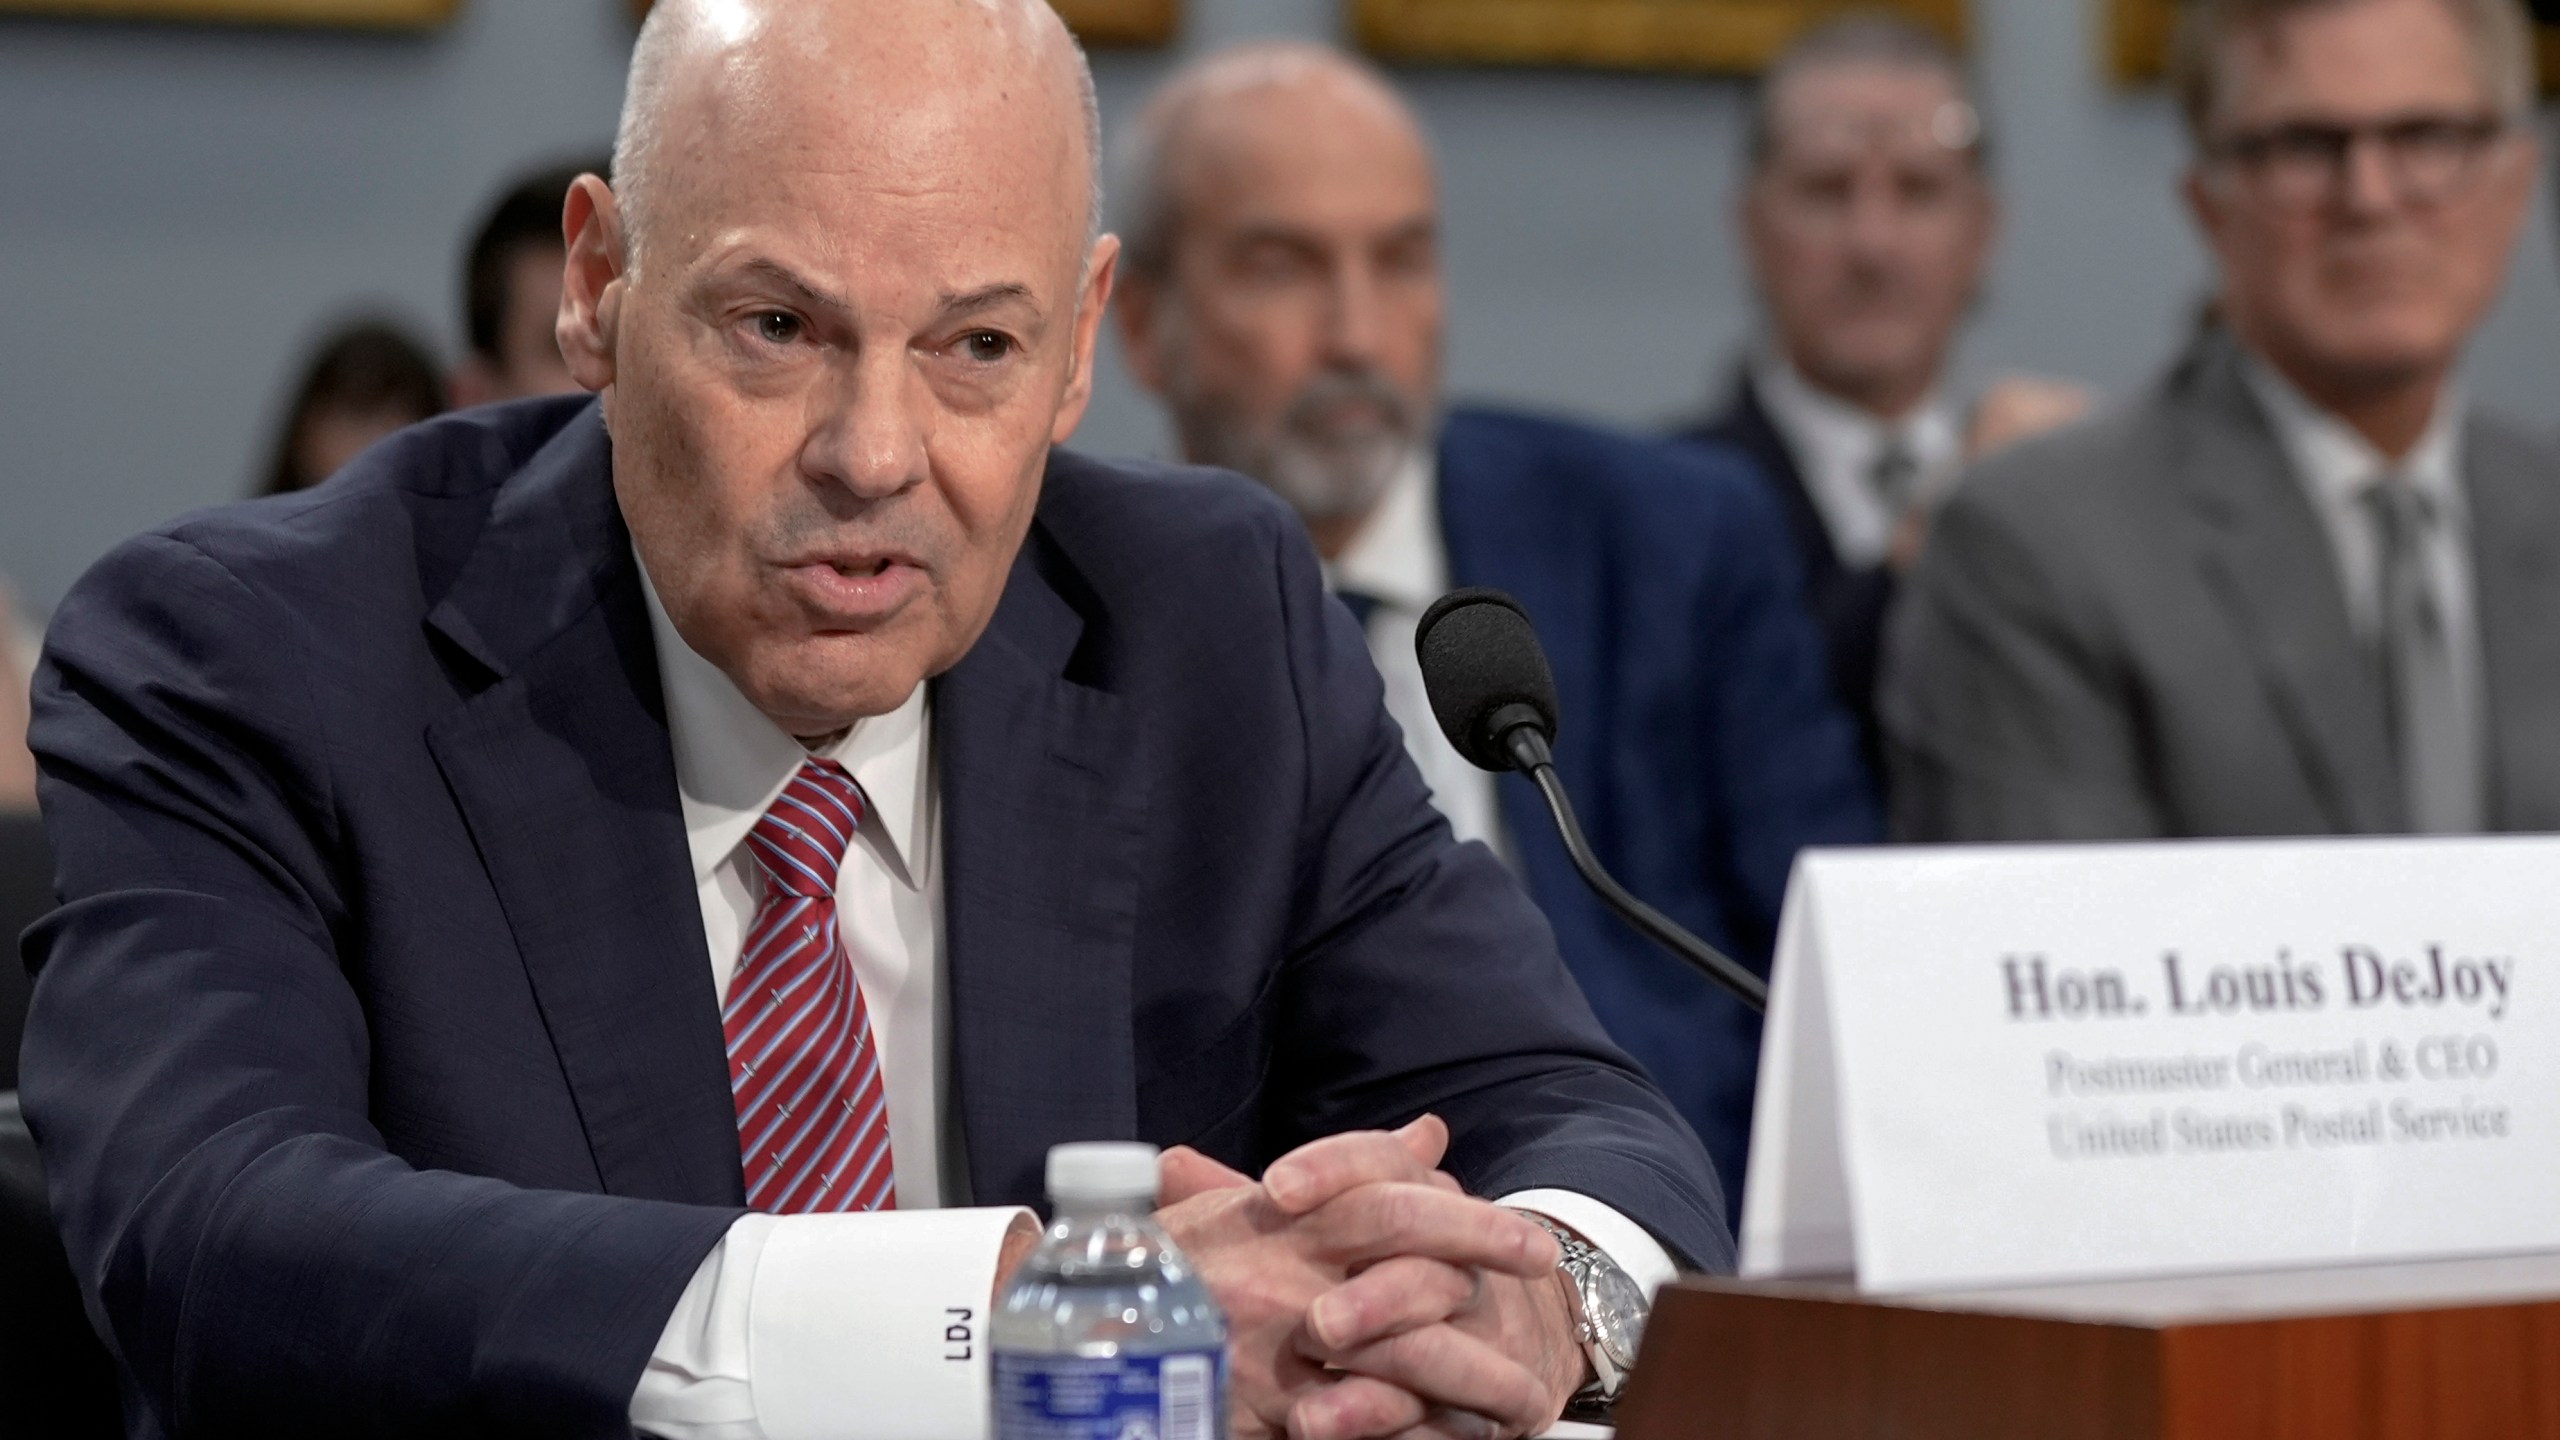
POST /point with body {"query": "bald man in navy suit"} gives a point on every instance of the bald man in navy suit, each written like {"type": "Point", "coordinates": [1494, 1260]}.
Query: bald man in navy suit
{"type": "Point", "coordinates": [591, 921]}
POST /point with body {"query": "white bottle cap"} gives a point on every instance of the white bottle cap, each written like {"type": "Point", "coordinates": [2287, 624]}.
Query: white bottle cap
{"type": "Point", "coordinates": [1094, 1170]}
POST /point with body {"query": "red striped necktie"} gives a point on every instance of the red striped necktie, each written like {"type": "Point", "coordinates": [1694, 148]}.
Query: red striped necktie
{"type": "Point", "coordinates": [813, 1118]}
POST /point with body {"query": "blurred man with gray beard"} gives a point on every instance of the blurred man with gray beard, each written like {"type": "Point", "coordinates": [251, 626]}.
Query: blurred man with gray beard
{"type": "Point", "coordinates": [1282, 294]}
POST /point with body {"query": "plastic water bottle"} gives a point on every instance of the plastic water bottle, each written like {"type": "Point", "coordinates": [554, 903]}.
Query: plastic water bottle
{"type": "Point", "coordinates": [1106, 1332]}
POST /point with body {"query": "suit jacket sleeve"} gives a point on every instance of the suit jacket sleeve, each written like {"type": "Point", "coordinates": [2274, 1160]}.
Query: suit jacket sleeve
{"type": "Point", "coordinates": [198, 1073]}
{"type": "Point", "coordinates": [2008, 718]}
{"type": "Point", "coordinates": [1419, 977]}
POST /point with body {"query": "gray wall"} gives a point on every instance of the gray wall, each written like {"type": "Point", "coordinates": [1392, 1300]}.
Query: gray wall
{"type": "Point", "coordinates": [181, 208]}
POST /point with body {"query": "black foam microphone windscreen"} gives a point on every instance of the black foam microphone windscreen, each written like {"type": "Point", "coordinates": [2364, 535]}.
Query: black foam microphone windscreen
{"type": "Point", "coordinates": [1479, 654]}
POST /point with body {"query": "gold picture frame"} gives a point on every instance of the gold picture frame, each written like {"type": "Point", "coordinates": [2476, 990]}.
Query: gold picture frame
{"type": "Point", "coordinates": [2138, 33]}
{"type": "Point", "coordinates": [1133, 24]}
{"type": "Point", "coordinates": [355, 14]}
{"type": "Point", "coordinates": [1709, 36]}
{"type": "Point", "coordinates": [2138, 40]}
{"type": "Point", "coordinates": [1136, 24]}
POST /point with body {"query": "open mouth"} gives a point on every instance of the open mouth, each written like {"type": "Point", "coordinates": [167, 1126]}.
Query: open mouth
{"type": "Point", "coordinates": [857, 591]}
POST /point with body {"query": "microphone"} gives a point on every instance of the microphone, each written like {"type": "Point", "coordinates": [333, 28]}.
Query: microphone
{"type": "Point", "coordinates": [1495, 699]}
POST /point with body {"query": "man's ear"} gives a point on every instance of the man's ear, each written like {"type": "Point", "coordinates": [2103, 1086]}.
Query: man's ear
{"type": "Point", "coordinates": [1988, 218]}
{"type": "Point", "coordinates": [2521, 172]}
{"type": "Point", "coordinates": [1141, 304]}
{"type": "Point", "coordinates": [2203, 205]}
{"type": "Point", "coordinates": [1101, 267]}
{"type": "Point", "coordinates": [591, 288]}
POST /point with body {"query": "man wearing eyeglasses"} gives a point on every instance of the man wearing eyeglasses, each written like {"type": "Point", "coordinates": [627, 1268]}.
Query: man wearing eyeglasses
{"type": "Point", "coordinates": [2299, 588]}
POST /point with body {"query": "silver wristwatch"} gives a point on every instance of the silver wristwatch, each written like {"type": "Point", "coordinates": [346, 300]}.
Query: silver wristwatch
{"type": "Point", "coordinates": [1609, 1311]}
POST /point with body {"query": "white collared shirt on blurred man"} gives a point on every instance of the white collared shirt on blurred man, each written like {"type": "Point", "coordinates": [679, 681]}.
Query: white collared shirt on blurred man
{"type": "Point", "coordinates": [1837, 447]}
{"type": "Point", "coordinates": [1400, 560]}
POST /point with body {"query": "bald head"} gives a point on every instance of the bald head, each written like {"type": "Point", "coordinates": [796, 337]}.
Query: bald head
{"type": "Point", "coordinates": [1234, 108]}
{"type": "Point", "coordinates": [839, 309]}
{"type": "Point", "coordinates": [1283, 289]}
{"type": "Point", "coordinates": [711, 76]}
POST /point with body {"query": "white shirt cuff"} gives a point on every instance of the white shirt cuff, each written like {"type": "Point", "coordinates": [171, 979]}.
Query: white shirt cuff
{"type": "Point", "coordinates": [1626, 1243]}
{"type": "Point", "coordinates": [831, 1327]}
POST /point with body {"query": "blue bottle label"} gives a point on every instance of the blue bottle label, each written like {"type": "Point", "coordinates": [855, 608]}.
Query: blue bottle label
{"type": "Point", "coordinates": [1181, 1396]}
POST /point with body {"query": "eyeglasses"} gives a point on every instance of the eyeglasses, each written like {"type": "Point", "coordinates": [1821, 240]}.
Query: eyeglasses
{"type": "Point", "coordinates": [2428, 158]}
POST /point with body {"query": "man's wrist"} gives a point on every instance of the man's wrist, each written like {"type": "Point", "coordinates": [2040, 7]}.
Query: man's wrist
{"type": "Point", "coordinates": [1604, 1312]}
{"type": "Point", "coordinates": [1568, 1364]}
{"type": "Point", "coordinates": [1573, 1371]}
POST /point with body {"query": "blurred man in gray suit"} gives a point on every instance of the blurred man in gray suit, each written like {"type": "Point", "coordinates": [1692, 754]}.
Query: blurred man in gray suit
{"type": "Point", "coordinates": [2299, 588]}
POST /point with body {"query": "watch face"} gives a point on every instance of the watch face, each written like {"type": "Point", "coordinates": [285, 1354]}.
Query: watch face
{"type": "Point", "coordinates": [1616, 1310]}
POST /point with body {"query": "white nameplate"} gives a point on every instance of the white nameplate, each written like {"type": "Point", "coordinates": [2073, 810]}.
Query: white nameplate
{"type": "Point", "coordinates": [2018, 1064]}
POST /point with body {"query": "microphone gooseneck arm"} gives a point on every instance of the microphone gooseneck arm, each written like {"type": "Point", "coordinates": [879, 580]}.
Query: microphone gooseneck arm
{"type": "Point", "coordinates": [1530, 755]}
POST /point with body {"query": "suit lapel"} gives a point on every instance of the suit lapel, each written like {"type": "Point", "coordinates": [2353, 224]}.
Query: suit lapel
{"type": "Point", "coordinates": [561, 767]}
{"type": "Point", "coordinates": [2267, 563]}
{"type": "Point", "coordinates": [1758, 436]}
{"type": "Point", "coordinates": [1042, 823]}
{"type": "Point", "coordinates": [1498, 532]}
{"type": "Point", "coordinates": [2516, 577]}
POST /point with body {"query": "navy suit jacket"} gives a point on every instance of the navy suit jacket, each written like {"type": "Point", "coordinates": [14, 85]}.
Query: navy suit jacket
{"type": "Point", "coordinates": [1699, 736]}
{"type": "Point", "coordinates": [374, 1054]}
{"type": "Point", "coordinates": [1848, 602]}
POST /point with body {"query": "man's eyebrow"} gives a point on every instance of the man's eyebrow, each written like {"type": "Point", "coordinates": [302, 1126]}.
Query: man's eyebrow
{"type": "Point", "coordinates": [1276, 232]}
{"type": "Point", "coordinates": [985, 297]}
{"type": "Point", "coordinates": [948, 304]}
{"type": "Point", "coordinates": [1273, 232]}
{"type": "Point", "coordinates": [808, 294]}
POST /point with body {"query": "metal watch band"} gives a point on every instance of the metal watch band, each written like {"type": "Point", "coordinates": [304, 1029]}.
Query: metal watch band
{"type": "Point", "coordinates": [1579, 1258]}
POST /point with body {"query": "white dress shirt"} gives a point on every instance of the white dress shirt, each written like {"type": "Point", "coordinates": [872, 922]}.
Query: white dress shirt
{"type": "Point", "coordinates": [840, 1327]}
{"type": "Point", "coordinates": [814, 1327]}
{"type": "Point", "coordinates": [1836, 447]}
{"type": "Point", "coordinates": [2335, 466]}
{"type": "Point", "coordinates": [1399, 559]}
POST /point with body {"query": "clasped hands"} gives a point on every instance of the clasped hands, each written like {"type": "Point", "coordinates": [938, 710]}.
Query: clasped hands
{"type": "Point", "coordinates": [1368, 1295]}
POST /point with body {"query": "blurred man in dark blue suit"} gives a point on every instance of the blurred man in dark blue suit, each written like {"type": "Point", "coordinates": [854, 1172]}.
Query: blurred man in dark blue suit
{"type": "Point", "coordinates": [591, 920]}
{"type": "Point", "coordinates": [1283, 295]}
{"type": "Point", "coordinates": [1868, 218]}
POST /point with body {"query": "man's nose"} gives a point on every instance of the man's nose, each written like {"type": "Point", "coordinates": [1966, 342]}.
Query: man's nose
{"type": "Point", "coordinates": [1354, 328]}
{"type": "Point", "coordinates": [870, 438]}
{"type": "Point", "coordinates": [1877, 220]}
{"type": "Point", "coordinates": [2366, 185]}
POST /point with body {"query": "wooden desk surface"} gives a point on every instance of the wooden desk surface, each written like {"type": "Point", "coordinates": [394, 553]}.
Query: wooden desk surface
{"type": "Point", "coordinates": [2202, 1299]}
{"type": "Point", "coordinates": [2444, 1350]}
